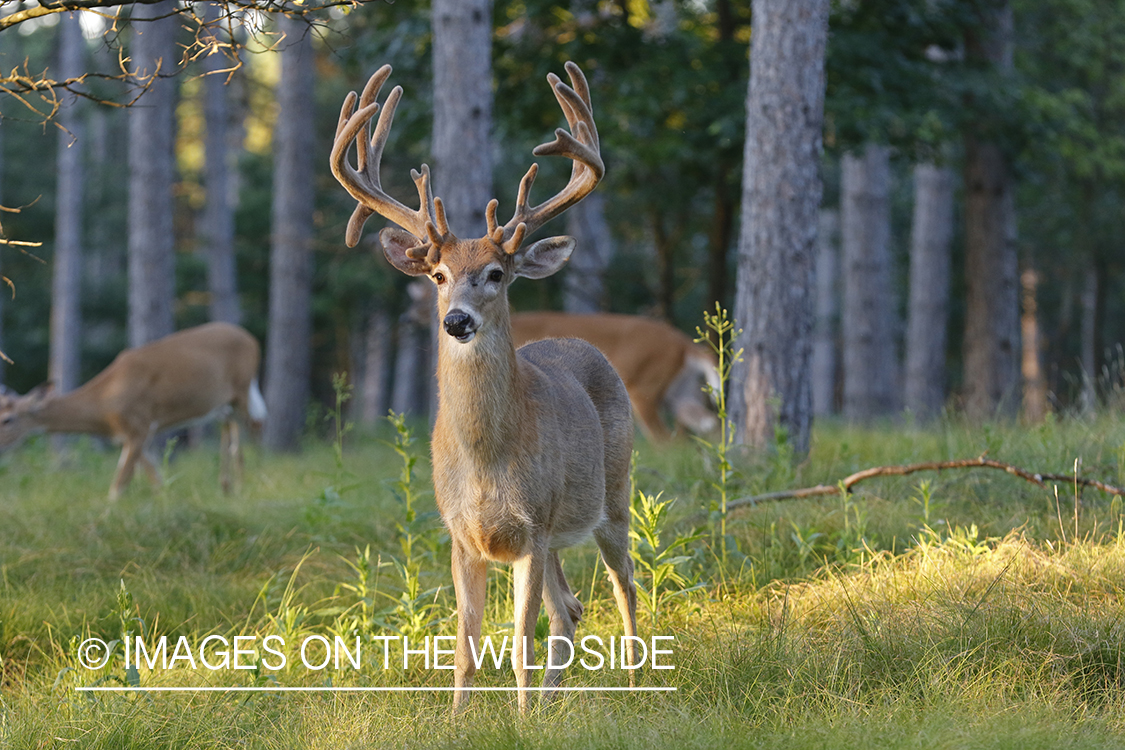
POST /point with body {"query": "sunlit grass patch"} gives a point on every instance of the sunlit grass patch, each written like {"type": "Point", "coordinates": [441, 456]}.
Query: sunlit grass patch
{"type": "Point", "coordinates": [971, 611]}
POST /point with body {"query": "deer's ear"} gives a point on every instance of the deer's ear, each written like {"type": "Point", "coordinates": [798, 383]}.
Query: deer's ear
{"type": "Point", "coordinates": [543, 258]}
{"type": "Point", "coordinates": [395, 243]}
{"type": "Point", "coordinates": [40, 393]}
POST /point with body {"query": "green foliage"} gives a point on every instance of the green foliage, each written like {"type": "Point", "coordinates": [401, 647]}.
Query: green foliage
{"type": "Point", "coordinates": [657, 576]}
{"type": "Point", "coordinates": [415, 528]}
{"type": "Point", "coordinates": [893, 74]}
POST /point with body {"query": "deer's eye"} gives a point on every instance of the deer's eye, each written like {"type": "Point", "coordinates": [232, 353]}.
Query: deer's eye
{"type": "Point", "coordinates": [495, 275]}
{"type": "Point", "coordinates": [439, 278]}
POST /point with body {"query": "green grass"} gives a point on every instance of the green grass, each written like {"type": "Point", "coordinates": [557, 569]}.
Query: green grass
{"type": "Point", "coordinates": [992, 616]}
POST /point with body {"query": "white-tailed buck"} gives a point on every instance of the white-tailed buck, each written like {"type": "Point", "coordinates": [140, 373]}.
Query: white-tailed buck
{"type": "Point", "coordinates": [198, 374]}
{"type": "Point", "coordinates": [660, 365]}
{"type": "Point", "coordinates": [531, 449]}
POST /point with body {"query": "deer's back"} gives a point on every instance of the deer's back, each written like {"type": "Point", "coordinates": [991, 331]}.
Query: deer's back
{"type": "Point", "coordinates": [182, 376]}
{"type": "Point", "coordinates": [646, 353]}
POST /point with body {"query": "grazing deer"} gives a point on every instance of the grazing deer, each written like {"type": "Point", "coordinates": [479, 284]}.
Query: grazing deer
{"type": "Point", "coordinates": [531, 449]}
{"type": "Point", "coordinates": [659, 364]}
{"type": "Point", "coordinates": [198, 374]}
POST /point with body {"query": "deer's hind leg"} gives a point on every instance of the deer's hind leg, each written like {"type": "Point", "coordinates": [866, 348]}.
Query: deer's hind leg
{"type": "Point", "coordinates": [613, 541]}
{"type": "Point", "coordinates": [564, 611]}
{"type": "Point", "coordinates": [230, 452]}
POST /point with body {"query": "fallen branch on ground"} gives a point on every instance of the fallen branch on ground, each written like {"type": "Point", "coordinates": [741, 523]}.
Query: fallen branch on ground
{"type": "Point", "coordinates": [898, 471]}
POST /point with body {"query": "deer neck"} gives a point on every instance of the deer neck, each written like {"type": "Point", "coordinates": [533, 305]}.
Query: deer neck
{"type": "Point", "coordinates": [481, 392]}
{"type": "Point", "coordinates": [76, 411]}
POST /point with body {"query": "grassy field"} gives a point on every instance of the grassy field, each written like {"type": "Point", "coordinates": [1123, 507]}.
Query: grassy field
{"type": "Point", "coordinates": [966, 609]}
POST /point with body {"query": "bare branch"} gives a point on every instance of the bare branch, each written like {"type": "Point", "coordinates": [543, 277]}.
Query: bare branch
{"type": "Point", "coordinates": [49, 7]}
{"type": "Point", "coordinates": [1039, 479]}
{"type": "Point", "coordinates": [41, 94]}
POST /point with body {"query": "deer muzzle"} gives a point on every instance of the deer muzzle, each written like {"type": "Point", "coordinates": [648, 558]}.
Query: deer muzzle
{"type": "Point", "coordinates": [460, 325]}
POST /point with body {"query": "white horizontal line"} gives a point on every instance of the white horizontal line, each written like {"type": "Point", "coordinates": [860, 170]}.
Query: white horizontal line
{"type": "Point", "coordinates": [298, 689]}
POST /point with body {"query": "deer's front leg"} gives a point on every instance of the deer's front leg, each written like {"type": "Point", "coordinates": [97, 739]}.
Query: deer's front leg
{"type": "Point", "coordinates": [527, 573]}
{"type": "Point", "coordinates": [131, 451]}
{"type": "Point", "coordinates": [470, 583]}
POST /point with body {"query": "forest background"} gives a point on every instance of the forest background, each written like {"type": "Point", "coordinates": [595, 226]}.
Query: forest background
{"type": "Point", "coordinates": [928, 106]}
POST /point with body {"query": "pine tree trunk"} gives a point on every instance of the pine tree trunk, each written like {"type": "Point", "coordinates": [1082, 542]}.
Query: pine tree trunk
{"type": "Point", "coordinates": [409, 392]}
{"type": "Point", "coordinates": [152, 266]}
{"type": "Point", "coordinates": [463, 112]}
{"type": "Point", "coordinates": [931, 235]}
{"type": "Point", "coordinates": [376, 355]}
{"type": "Point", "coordinates": [1031, 367]}
{"type": "Point", "coordinates": [991, 349]}
{"type": "Point", "coordinates": [218, 214]}
{"type": "Point", "coordinates": [868, 320]}
{"type": "Point", "coordinates": [288, 363]}
{"type": "Point", "coordinates": [66, 285]}
{"type": "Point", "coordinates": [824, 359]}
{"type": "Point", "coordinates": [781, 192]}
{"type": "Point", "coordinates": [584, 280]}
{"type": "Point", "coordinates": [1088, 354]}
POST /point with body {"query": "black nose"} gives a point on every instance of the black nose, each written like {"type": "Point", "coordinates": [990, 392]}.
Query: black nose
{"type": "Point", "coordinates": [458, 323]}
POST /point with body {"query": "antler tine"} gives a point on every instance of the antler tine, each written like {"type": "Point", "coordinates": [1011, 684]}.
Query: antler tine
{"type": "Point", "coordinates": [345, 112]}
{"type": "Point", "coordinates": [580, 144]}
{"type": "Point", "coordinates": [574, 99]}
{"type": "Point", "coordinates": [364, 184]}
{"type": "Point", "coordinates": [495, 232]}
{"type": "Point", "coordinates": [367, 98]}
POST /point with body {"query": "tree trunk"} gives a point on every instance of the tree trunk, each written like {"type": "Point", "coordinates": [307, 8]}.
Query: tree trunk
{"type": "Point", "coordinates": [868, 320]}
{"type": "Point", "coordinates": [288, 362]}
{"type": "Point", "coordinates": [584, 280]}
{"type": "Point", "coordinates": [991, 265]}
{"type": "Point", "coordinates": [1034, 382]}
{"type": "Point", "coordinates": [781, 191]}
{"type": "Point", "coordinates": [463, 111]}
{"type": "Point", "coordinates": [409, 393]}
{"type": "Point", "coordinates": [218, 214]}
{"type": "Point", "coordinates": [827, 314]}
{"type": "Point", "coordinates": [376, 355]}
{"type": "Point", "coordinates": [414, 351]}
{"type": "Point", "coordinates": [931, 235]}
{"type": "Point", "coordinates": [1088, 342]}
{"type": "Point", "coordinates": [152, 263]}
{"type": "Point", "coordinates": [66, 284]}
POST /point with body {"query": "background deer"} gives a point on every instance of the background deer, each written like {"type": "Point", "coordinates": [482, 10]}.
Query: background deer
{"type": "Point", "coordinates": [660, 365]}
{"type": "Point", "coordinates": [198, 374]}
{"type": "Point", "coordinates": [531, 449]}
